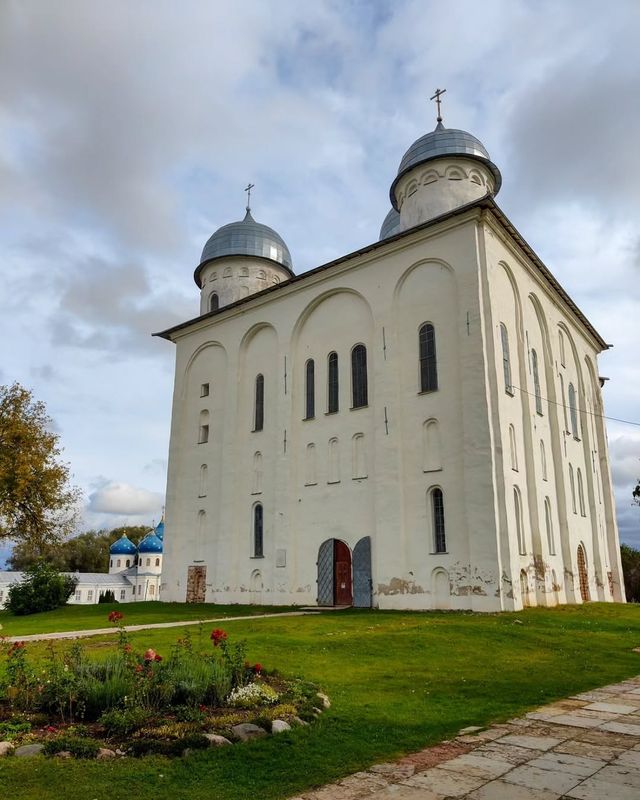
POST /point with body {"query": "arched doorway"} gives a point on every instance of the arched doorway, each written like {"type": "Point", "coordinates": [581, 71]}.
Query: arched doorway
{"type": "Point", "coordinates": [256, 587]}
{"type": "Point", "coordinates": [582, 575]}
{"type": "Point", "coordinates": [362, 582]}
{"type": "Point", "coordinates": [334, 574]}
{"type": "Point", "coordinates": [440, 589]}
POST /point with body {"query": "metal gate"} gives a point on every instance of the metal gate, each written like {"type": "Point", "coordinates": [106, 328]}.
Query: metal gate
{"type": "Point", "coordinates": [325, 573]}
{"type": "Point", "coordinates": [362, 582]}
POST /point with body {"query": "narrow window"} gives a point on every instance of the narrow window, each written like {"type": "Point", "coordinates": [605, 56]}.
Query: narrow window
{"type": "Point", "coordinates": [257, 473]}
{"type": "Point", "coordinates": [428, 364]}
{"type": "Point", "coordinates": [128, 563]}
{"type": "Point", "coordinates": [310, 392]}
{"type": "Point", "coordinates": [310, 476]}
{"type": "Point", "coordinates": [148, 562]}
{"type": "Point", "coordinates": [203, 481]}
{"type": "Point", "coordinates": [359, 458]}
{"type": "Point", "coordinates": [583, 511]}
{"type": "Point", "coordinates": [549, 524]}
{"type": "Point", "coordinates": [359, 376]}
{"type": "Point", "coordinates": [140, 588]}
{"type": "Point", "coordinates": [118, 562]}
{"type": "Point", "coordinates": [431, 449]}
{"type": "Point", "coordinates": [437, 504]}
{"type": "Point", "coordinates": [564, 406]}
{"type": "Point", "coordinates": [332, 387]}
{"type": "Point", "coordinates": [573, 489]}
{"type": "Point", "coordinates": [259, 405]}
{"type": "Point", "coordinates": [123, 594]}
{"type": "Point", "coordinates": [90, 595]}
{"type": "Point", "coordinates": [214, 302]}
{"type": "Point", "coordinates": [506, 361]}
{"type": "Point", "coordinates": [258, 540]}
{"type": "Point", "coordinates": [152, 589]}
{"type": "Point", "coordinates": [513, 449]}
{"type": "Point", "coordinates": [334, 461]}
{"type": "Point", "coordinates": [543, 460]}
{"type": "Point", "coordinates": [78, 596]}
{"type": "Point", "coordinates": [204, 390]}
{"type": "Point", "coordinates": [203, 431]}
{"type": "Point", "coordinates": [536, 382]}
{"type": "Point", "coordinates": [111, 563]}
{"type": "Point", "coordinates": [573, 411]}
{"type": "Point", "coordinates": [157, 562]}
{"type": "Point", "coordinates": [517, 503]}
{"type": "Point", "coordinates": [561, 342]}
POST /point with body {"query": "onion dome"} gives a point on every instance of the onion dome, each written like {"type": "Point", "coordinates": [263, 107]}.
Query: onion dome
{"type": "Point", "coordinates": [159, 530]}
{"type": "Point", "coordinates": [391, 224]}
{"type": "Point", "coordinates": [246, 238]}
{"type": "Point", "coordinates": [150, 544]}
{"type": "Point", "coordinates": [444, 142]}
{"type": "Point", "coordinates": [123, 547]}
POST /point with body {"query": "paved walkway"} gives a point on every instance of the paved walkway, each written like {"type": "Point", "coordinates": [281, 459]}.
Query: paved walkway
{"type": "Point", "coordinates": [583, 748]}
{"type": "Point", "coordinates": [36, 637]}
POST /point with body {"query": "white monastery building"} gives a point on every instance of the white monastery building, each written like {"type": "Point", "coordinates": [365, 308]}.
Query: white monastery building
{"type": "Point", "coordinates": [416, 425]}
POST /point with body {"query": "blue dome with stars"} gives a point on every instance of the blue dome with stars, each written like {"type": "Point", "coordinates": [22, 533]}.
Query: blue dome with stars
{"type": "Point", "coordinates": [150, 544]}
{"type": "Point", "coordinates": [123, 547]}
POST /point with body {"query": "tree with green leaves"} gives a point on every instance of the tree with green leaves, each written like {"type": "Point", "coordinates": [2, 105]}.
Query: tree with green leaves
{"type": "Point", "coordinates": [630, 558]}
{"type": "Point", "coordinates": [42, 588]}
{"type": "Point", "coordinates": [37, 503]}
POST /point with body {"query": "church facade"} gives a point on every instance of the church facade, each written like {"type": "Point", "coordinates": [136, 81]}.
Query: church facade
{"type": "Point", "coordinates": [415, 425]}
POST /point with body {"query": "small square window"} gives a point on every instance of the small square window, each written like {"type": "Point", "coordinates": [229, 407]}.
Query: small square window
{"type": "Point", "coordinates": [204, 390]}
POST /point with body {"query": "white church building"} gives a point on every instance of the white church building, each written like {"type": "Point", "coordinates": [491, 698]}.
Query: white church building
{"type": "Point", "coordinates": [415, 425]}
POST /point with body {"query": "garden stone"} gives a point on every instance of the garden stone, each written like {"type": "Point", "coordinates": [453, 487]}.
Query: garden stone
{"type": "Point", "coordinates": [104, 753]}
{"type": "Point", "coordinates": [317, 710]}
{"type": "Point", "coordinates": [299, 721]}
{"type": "Point", "coordinates": [29, 750]}
{"type": "Point", "coordinates": [6, 748]}
{"type": "Point", "coordinates": [64, 754]}
{"type": "Point", "coordinates": [246, 731]}
{"type": "Point", "coordinates": [215, 740]}
{"type": "Point", "coordinates": [325, 700]}
{"type": "Point", "coordinates": [280, 726]}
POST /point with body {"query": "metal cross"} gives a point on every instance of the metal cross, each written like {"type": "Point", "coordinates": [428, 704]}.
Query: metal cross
{"type": "Point", "coordinates": [248, 191]}
{"type": "Point", "coordinates": [436, 97]}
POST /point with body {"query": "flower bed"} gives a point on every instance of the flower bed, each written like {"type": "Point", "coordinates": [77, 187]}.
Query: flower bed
{"type": "Point", "coordinates": [137, 703]}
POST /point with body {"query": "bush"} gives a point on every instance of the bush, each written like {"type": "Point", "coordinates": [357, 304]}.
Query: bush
{"type": "Point", "coordinates": [107, 597]}
{"type": "Point", "coordinates": [42, 588]}
{"type": "Point", "coordinates": [171, 747]}
{"type": "Point", "coordinates": [121, 722]}
{"type": "Point", "coordinates": [77, 746]}
{"type": "Point", "coordinates": [255, 694]}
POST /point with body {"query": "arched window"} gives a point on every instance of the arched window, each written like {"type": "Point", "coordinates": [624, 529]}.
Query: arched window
{"type": "Point", "coordinates": [258, 538]}
{"type": "Point", "coordinates": [564, 407]}
{"type": "Point", "coordinates": [431, 446]}
{"type": "Point", "coordinates": [334, 461]}
{"type": "Point", "coordinates": [203, 481]}
{"type": "Point", "coordinates": [111, 563]}
{"type": "Point", "coordinates": [128, 563]}
{"type": "Point", "coordinates": [517, 504]}
{"type": "Point", "coordinates": [561, 342]}
{"type": "Point", "coordinates": [513, 449]}
{"type": "Point", "coordinates": [428, 364]}
{"type": "Point", "coordinates": [543, 461]}
{"type": "Point", "coordinates": [359, 457]}
{"type": "Point", "coordinates": [257, 473]}
{"type": "Point", "coordinates": [214, 302]}
{"type": "Point", "coordinates": [536, 381]}
{"type": "Point", "coordinates": [157, 562]}
{"type": "Point", "coordinates": [258, 417]}
{"type": "Point", "coordinates": [310, 471]}
{"type": "Point", "coordinates": [118, 563]}
{"type": "Point", "coordinates": [573, 489]}
{"type": "Point", "coordinates": [359, 390]}
{"type": "Point", "coordinates": [203, 430]}
{"type": "Point", "coordinates": [506, 360]}
{"type": "Point", "coordinates": [549, 525]}
{"type": "Point", "coordinates": [437, 510]}
{"type": "Point", "coordinates": [332, 383]}
{"type": "Point", "coordinates": [583, 510]}
{"type": "Point", "coordinates": [310, 392]}
{"type": "Point", "coordinates": [573, 411]}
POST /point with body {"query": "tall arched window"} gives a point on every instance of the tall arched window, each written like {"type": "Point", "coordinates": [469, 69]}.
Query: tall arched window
{"type": "Point", "coordinates": [258, 536]}
{"type": "Point", "coordinates": [517, 503]}
{"type": "Point", "coordinates": [332, 383]}
{"type": "Point", "coordinates": [334, 461]}
{"type": "Point", "coordinates": [506, 360]}
{"type": "Point", "coordinates": [203, 429]}
{"type": "Point", "coordinates": [203, 481]}
{"type": "Point", "coordinates": [573, 489]}
{"type": "Point", "coordinates": [513, 449]}
{"type": "Point", "coordinates": [536, 381]}
{"type": "Point", "coordinates": [583, 510]}
{"type": "Point", "coordinates": [564, 407]}
{"type": "Point", "coordinates": [257, 473]}
{"type": "Point", "coordinates": [561, 343]}
{"type": "Point", "coordinates": [548, 519]}
{"type": "Point", "coordinates": [214, 302]}
{"type": "Point", "coordinates": [310, 469]}
{"type": "Point", "coordinates": [437, 509]}
{"type": "Point", "coordinates": [428, 364]}
{"type": "Point", "coordinates": [543, 461]}
{"type": "Point", "coordinates": [359, 391]}
{"type": "Point", "coordinates": [359, 457]}
{"type": "Point", "coordinates": [258, 421]}
{"type": "Point", "coordinates": [431, 446]}
{"type": "Point", "coordinates": [310, 391]}
{"type": "Point", "coordinates": [573, 411]}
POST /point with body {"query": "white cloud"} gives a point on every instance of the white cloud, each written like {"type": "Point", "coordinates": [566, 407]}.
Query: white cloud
{"type": "Point", "coordinates": [124, 500]}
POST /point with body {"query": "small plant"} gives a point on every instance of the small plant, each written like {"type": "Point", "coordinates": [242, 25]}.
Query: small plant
{"type": "Point", "coordinates": [77, 746]}
{"type": "Point", "coordinates": [120, 722]}
{"type": "Point", "coordinates": [255, 694]}
{"type": "Point", "coordinates": [13, 729]}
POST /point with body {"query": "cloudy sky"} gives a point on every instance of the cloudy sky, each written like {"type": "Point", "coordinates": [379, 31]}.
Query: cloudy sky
{"type": "Point", "coordinates": [129, 129]}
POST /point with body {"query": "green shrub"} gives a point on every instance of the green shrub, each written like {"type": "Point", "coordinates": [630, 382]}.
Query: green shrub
{"type": "Point", "coordinates": [170, 748]}
{"type": "Point", "coordinates": [77, 746]}
{"type": "Point", "coordinates": [107, 597]}
{"type": "Point", "coordinates": [42, 588]}
{"type": "Point", "coordinates": [13, 729]}
{"type": "Point", "coordinates": [123, 721]}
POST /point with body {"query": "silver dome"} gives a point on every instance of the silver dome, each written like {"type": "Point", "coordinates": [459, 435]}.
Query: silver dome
{"type": "Point", "coordinates": [391, 224]}
{"type": "Point", "coordinates": [444, 142]}
{"type": "Point", "coordinates": [246, 238]}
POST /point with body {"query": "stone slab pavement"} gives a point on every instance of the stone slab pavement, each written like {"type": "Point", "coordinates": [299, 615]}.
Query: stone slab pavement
{"type": "Point", "coordinates": [36, 637]}
{"type": "Point", "coordinates": [584, 748]}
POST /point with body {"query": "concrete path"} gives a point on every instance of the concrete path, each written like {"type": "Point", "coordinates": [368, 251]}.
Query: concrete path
{"type": "Point", "coordinates": [36, 637]}
{"type": "Point", "coordinates": [583, 748]}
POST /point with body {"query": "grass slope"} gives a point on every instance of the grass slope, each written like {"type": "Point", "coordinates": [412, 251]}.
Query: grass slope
{"type": "Point", "coordinates": [397, 681]}
{"type": "Point", "coordinates": [78, 618]}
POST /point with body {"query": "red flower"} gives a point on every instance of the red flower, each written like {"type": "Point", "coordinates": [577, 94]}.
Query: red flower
{"type": "Point", "coordinates": [127, 648]}
{"type": "Point", "coordinates": [157, 657]}
{"type": "Point", "coordinates": [151, 655]}
{"type": "Point", "coordinates": [115, 616]}
{"type": "Point", "coordinates": [138, 668]}
{"type": "Point", "coordinates": [257, 668]}
{"type": "Point", "coordinates": [15, 647]}
{"type": "Point", "coordinates": [202, 707]}
{"type": "Point", "coordinates": [218, 636]}
{"type": "Point", "coordinates": [51, 729]}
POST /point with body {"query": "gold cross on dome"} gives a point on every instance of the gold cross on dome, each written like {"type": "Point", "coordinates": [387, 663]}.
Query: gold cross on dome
{"type": "Point", "coordinates": [436, 97]}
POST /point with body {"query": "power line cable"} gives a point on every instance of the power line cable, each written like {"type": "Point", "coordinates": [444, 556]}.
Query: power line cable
{"type": "Point", "coordinates": [579, 410]}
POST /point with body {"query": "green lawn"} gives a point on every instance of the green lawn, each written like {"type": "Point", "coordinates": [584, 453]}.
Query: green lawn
{"type": "Point", "coordinates": [397, 681]}
{"type": "Point", "coordinates": [77, 618]}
